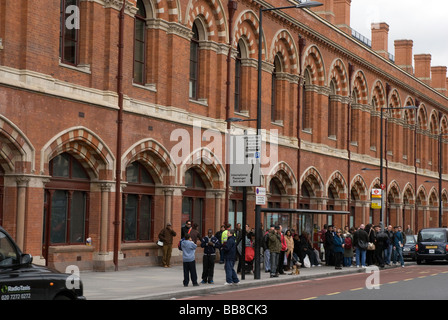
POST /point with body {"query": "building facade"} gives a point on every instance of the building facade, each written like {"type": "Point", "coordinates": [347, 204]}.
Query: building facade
{"type": "Point", "coordinates": [113, 122]}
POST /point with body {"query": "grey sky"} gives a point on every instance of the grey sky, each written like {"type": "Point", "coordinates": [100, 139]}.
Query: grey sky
{"type": "Point", "coordinates": [424, 22]}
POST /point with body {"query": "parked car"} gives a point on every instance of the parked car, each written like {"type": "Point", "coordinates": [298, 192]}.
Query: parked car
{"type": "Point", "coordinates": [20, 279]}
{"type": "Point", "coordinates": [432, 244]}
{"type": "Point", "coordinates": [409, 247]}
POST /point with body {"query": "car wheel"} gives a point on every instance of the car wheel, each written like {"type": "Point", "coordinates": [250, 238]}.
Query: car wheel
{"type": "Point", "coordinates": [419, 261]}
{"type": "Point", "coordinates": [62, 297]}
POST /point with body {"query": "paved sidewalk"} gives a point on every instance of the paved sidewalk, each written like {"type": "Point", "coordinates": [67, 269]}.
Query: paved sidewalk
{"type": "Point", "coordinates": [157, 283]}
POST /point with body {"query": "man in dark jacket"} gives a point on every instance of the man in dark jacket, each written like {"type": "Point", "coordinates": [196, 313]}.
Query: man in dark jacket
{"type": "Point", "coordinates": [229, 251]}
{"type": "Point", "coordinates": [329, 246]}
{"type": "Point", "coordinates": [275, 246]}
{"type": "Point", "coordinates": [166, 235]}
{"type": "Point", "coordinates": [380, 245]}
{"type": "Point", "coordinates": [360, 241]}
{"type": "Point", "coordinates": [210, 243]}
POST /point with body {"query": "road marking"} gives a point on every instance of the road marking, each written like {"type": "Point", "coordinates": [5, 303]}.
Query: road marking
{"type": "Point", "coordinates": [392, 282]}
{"type": "Point", "coordinates": [332, 294]}
{"type": "Point", "coordinates": [421, 277]}
{"type": "Point", "coordinates": [310, 298]}
{"type": "Point", "coordinates": [408, 279]}
{"type": "Point", "coordinates": [356, 289]}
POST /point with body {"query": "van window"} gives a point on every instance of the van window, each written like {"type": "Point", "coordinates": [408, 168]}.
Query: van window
{"type": "Point", "coordinates": [8, 254]}
{"type": "Point", "coordinates": [432, 236]}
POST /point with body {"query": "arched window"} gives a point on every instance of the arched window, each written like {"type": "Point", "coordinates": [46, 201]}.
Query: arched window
{"type": "Point", "coordinates": [275, 88]}
{"type": "Point", "coordinates": [69, 32]}
{"type": "Point", "coordinates": [138, 204]}
{"type": "Point", "coordinates": [194, 63]}
{"type": "Point", "coordinates": [66, 202]}
{"type": "Point", "coordinates": [238, 80]}
{"type": "Point", "coordinates": [332, 110]}
{"type": "Point", "coordinates": [140, 44]}
{"type": "Point", "coordinates": [306, 102]}
{"type": "Point", "coordinates": [193, 200]}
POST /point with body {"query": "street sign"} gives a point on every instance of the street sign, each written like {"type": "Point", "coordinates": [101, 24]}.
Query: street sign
{"type": "Point", "coordinates": [376, 198]}
{"type": "Point", "coordinates": [260, 196]}
{"type": "Point", "coordinates": [245, 161]}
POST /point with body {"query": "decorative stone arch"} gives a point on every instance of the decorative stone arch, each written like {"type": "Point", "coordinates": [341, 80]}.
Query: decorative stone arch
{"type": "Point", "coordinates": [284, 44]}
{"type": "Point", "coordinates": [378, 95]}
{"type": "Point", "coordinates": [338, 72]}
{"type": "Point", "coordinates": [443, 124]}
{"type": "Point", "coordinates": [410, 114]}
{"type": "Point", "coordinates": [86, 146]}
{"type": "Point", "coordinates": [434, 122]}
{"type": "Point", "coordinates": [283, 172]}
{"type": "Point", "coordinates": [338, 182]}
{"type": "Point", "coordinates": [408, 193]}
{"type": "Point", "coordinates": [314, 62]}
{"type": "Point", "coordinates": [359, 85]}
{"type": "Point", "coordinates": [213, 14]}
{"type": "Point", "coordinates": [313, 181]}
{"type": "Point", "coordinates": [433, 197]}
{"type": "Point", "coordinates": [17, 154]}
{"type": "Point", "coordinates": [422, 118]}
{"type": "Point", "coordinates": [421, 199]}
{"type": "Point", "coordinates": [376, 183]}
{"type": "Point", "coordinates": [207, 165]}
{"type": "Point", "coordinates": [359, 187]}
{"type": "Point", "coordinates": [247, 25]}
{"type": "Point", "coordinates": [154, 157]}
{"type": "Point", "coordinates": [393, 191]}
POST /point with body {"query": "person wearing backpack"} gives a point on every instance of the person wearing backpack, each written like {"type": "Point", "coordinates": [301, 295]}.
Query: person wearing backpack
{"type": "Point", "coordinates": [348, 249]}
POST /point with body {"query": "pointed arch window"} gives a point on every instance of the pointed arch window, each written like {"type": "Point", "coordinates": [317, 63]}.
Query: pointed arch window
{"type": "Point", "coordinates": [332, 110]}
{"type": "Point", "coordinates": [238, 79]}
{"type": "Point", "coordinates": [194, 63]}
{"type": "Point", "coordinates": [140, 44]}
{"type": "Point", "coordinates": [275, 89]}
{"type": "Point", "coordinates": [69, 32]}
{"type": "Point", "coordinates": [193, 200]}
{"type": "Point", "coordinates": [66, 203]}
{"type": "Point", "coordinates": [138, 204]}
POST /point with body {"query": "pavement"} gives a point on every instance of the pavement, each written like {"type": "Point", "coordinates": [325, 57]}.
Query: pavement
{"type": "Point", "coordinates": [157, 283]}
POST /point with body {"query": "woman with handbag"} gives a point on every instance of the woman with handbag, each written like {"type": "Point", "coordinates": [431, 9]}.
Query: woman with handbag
{"type": "Point", "coordinates": [370, 255]}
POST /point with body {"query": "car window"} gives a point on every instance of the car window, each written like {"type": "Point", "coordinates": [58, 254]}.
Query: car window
{"type": "Point", "coordinates": [410, 239]}
{"type": "Point", "coordinates": [432, 236]}
{"type": "Point", "coordinates": [8, 253]}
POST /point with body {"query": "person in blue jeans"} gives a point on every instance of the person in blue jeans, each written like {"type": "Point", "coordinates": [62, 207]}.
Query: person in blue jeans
{"type": "Point", "coordinates": [229, 252]}
{"type": "Point", "coordinates": [398, 246]}
{"type": "Point", "coordinates": [188, 259]}
{"type": "Point", "coordinates": [360, 240]}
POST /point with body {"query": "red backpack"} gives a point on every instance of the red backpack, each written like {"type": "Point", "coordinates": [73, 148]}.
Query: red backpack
{"type": "Point", "coordinates": [348, 243]}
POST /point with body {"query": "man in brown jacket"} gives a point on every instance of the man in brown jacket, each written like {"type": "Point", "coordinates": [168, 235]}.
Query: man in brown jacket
{"type": "Point", "coordinates": [275, 246]}
{"type": "Point", "coordinates": [166, 235]}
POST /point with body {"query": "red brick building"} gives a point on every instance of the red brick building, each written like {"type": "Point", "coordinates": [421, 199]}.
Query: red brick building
{"type": "Point", "coordinates": [91, 118]}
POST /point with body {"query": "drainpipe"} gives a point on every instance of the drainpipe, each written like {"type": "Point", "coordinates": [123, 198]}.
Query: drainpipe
{"type": "Point", "coordinates": [119, 137]}
{"type": "Point", "coordinates": [351, 69]}
{"type": "Point", "coordinates": [302, 43]}
{"type": "Point", "coordinates": [232, 6]}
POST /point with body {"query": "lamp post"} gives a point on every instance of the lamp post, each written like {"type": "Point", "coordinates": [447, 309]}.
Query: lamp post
{"type": "Point", "coordinates": [381, 153]}
{"type": "Point", "coordinates": [302, 4]}
{"type": "Point", "coordinates": [244, 222]}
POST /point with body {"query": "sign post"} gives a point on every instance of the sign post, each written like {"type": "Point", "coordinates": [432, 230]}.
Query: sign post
{"type": "Point", "coordinates": [376, 199]}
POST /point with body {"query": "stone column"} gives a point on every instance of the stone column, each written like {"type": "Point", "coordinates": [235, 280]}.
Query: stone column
{"type": "Point", "coordinates": [105, 190]}
{"type": "Point", "coordinates": [168, 217]}
{"type": "Point", "coordinates": [22, 184]}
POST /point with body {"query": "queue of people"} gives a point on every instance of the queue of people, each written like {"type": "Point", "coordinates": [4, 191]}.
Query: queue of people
{"type": "Point", "coordinates": [282, 250]}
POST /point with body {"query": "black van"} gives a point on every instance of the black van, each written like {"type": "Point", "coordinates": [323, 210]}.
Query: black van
{"type": "Point", "coordinates": [432, 244]}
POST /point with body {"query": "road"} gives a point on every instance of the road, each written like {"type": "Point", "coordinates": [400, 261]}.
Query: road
{"type": "Point", "coordinates": [414, 282]}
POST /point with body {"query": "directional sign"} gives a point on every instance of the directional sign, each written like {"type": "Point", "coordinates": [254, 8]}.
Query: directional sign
{"type": "Point", "coordinates": [245, 161]}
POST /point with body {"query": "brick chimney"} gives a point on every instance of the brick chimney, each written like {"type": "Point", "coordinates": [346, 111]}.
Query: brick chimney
{"type": "Point", "coordinates": [422, 64]}
{"type": "Point", "coordinates": [342, 15]}
{"type": "Point", "coordinates": [403, 55]}
{"type": "Point", "coordinates": [325, 11]}
{"type": "Point", "coordinates": [380, 39]}
{"type": "Point", "coordinates": [438, 79]}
